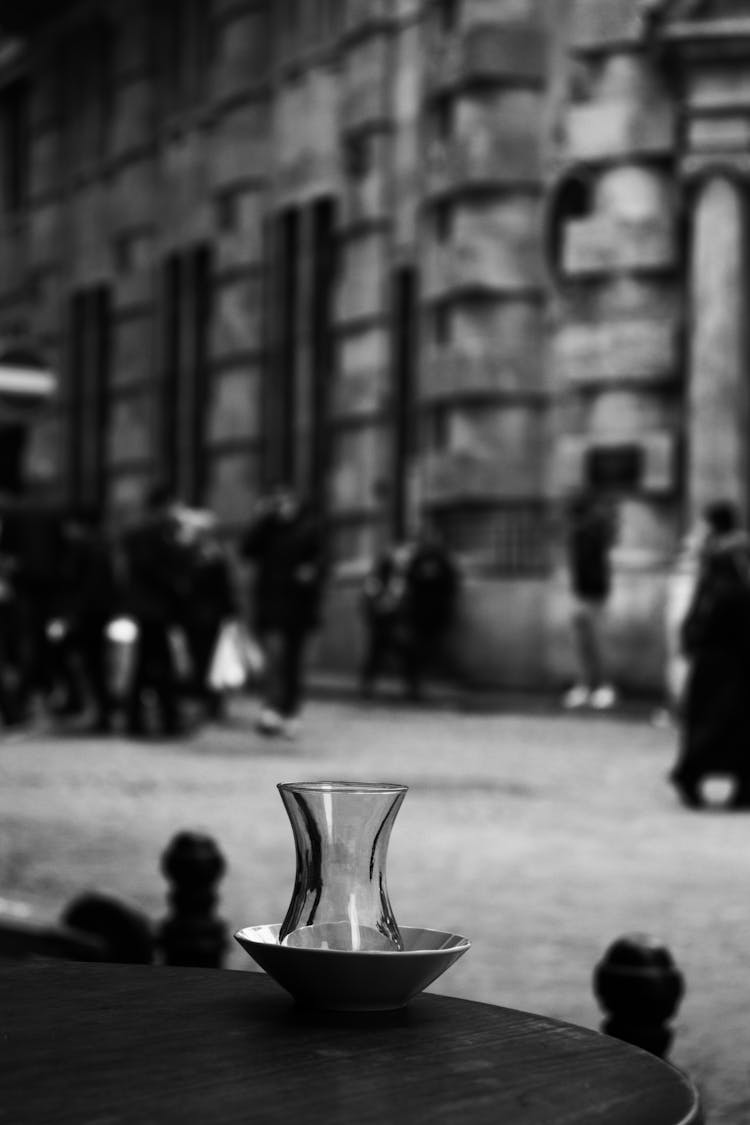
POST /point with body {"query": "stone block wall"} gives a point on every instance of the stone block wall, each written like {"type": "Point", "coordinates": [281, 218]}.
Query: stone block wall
{"type": "Point", "coordinates": [443, 137]}
{"type": "Point", "coordinates": [616, 316]}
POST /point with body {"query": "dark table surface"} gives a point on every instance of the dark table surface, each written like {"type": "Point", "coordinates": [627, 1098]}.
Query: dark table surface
{"type": "Point", "coordinates": [105, 1044]}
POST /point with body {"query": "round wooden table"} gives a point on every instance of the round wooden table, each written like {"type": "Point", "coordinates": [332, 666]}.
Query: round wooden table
{"type": "Point", "coordinates": [87, 1043]}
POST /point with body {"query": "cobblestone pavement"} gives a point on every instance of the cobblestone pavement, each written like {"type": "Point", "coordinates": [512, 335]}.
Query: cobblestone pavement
{"type": "Point", "coordinates": [541, 837]}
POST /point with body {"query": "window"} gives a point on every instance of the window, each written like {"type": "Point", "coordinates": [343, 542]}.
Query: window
{"type": "Point", "coordinates": [510, 538]}
{"type": "Point", "coordinates": [444, 116]}
{"type": "Point", "coordinates": [227, 210]}
{"type": "Point", "coordinates": [436, 428]}
{"type": "Point", "coordinates": [332, 13]}
{"type": "Point", "coordinates": [184, 46]}
{"type": "Point", "coordinates": [443, 324]}
{"type": "Point", "coordinates": [572, 198]}
{"type": "Point", "coordinates": [448, 13]}
{"type": "Point", "coordinates": [444, 221]}
{"type": "Point", "coordinates": [16, 145]}
{"type": "Point", "coordinates": [357, 154]}
{"type": "Point", "coordinates": [89, 368]}
{"type": "Point", "coordinates": [186, 316]}
{"type": "Point", "coordinates": [404, 364]}
{"type": "Point", "coordinates": [86, 63]}
{"type": "Point", "coordinates": [322, 340]}
{"type": "Point", "coordinates": [281, 444]}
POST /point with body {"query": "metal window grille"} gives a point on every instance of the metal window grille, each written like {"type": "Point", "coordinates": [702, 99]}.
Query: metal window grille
{"type": "Point", "coordinates": [510, 539]}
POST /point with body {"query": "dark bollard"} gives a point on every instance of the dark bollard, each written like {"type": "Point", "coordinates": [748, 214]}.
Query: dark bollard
{"type": "Point", "coordinates": [192, 934]}
{"type": "Point", "coordinates": [124, 932]}
{"type": "Point", "coordinates": [639, 988]}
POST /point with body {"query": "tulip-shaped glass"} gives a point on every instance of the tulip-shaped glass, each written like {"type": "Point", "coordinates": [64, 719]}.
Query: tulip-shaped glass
{"type": "Point", "coordinates": [341, 834]}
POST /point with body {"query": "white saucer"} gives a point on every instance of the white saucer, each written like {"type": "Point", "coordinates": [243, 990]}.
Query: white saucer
{"type": "Point", "coordinates": [362, 981]}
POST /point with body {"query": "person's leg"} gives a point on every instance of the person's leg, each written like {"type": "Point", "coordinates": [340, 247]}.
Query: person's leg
{"type": "Point", "coordinates": [68, 673]}
{"type": "Point", "coordinates": [213, 701]}
{"type": "Point", "coordinates": [603, 694]}
{"type": "Point", "coordinates": [140, 678]}
{"type": "Point", "coordinates": [201, 639]}
{"type": "Point", "coordinates": [94, 654]}
{"type": "Point", "coordinates": [36, 678]}
{"type": "Point", "coordinates": [374, 653]}
{"type": "Point", "coordinates": [7, 710]}
{"type": "Point", "coordinates": [269, 719]}
{"type": "Point", "coordinates": [412, 665]}
{"type": "Point", "coordinates": [587, 646]}
{"type": "Point", "coordinates": [292, 680]}
{"type": "Point", "coordinates": [165, 680]}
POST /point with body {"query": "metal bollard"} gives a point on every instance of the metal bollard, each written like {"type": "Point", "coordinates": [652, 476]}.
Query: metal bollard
{"type": "Point", "coordinates": [124, 932]}
{"type": "Point", "coordinates": [192, 933]}
{"type": "Point", "coordinates": [639, 988]}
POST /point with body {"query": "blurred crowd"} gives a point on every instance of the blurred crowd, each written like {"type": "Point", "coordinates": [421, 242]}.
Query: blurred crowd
{"type": "Point", "coordinates": [75, 596]}
{"type": "Point", "coordinates": [150, 626]}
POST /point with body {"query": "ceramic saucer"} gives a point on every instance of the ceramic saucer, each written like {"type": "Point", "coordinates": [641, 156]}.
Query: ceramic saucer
{"type": "Point", "coordinates": [361, 981]}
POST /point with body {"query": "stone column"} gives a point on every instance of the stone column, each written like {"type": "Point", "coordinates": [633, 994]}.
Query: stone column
{"type": "Point", "coordinates": [717, 421]}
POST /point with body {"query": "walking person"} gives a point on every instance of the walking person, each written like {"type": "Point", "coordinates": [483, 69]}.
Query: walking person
{"type": "Point", "coordinates": [715, 733]}
{"type": "Point", "coordinates": [590, 535]}
{"type": "Point", "coordinates": [10, 642]}
{"type": "Point", "coordinates": [156, 575]}
{"type": "Point", "coordinates": [95, 598]}
{"type": "Point", "coordinates": [385, 617]}
{"type": "Point", "coordinates": [35, 543]}
{"type": "Point", "coordinates": [210, 604]}
{"type": "Point", "coordinates": [431, 589]}
{"type": "Point", "coordinates": [285, 546]}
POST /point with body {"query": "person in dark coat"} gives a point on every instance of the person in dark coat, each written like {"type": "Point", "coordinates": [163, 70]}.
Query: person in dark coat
{"type": "Point", "coordinates": [35, 545]}
{"type": "Point", "coordinates": [408, 603]}
{"type": "Point", "coordinates": [589, 539]}
{"type": "Point", "coordinates": [431, 589]}
{"type": "Point", "coordinates": [211, 603]}
{"type": "Point", "coordinates": [285, 546]}
{"type": "Point", "coordinates": [715, 736]}
{"type": "Point", "coordinates": [10, 641]}
{"type": "Point", "coordinates": [95, 597]}
{"type": "Point", "coordinates": [385, 615]}
{"type": "Point", "coordinates": [156, 575]}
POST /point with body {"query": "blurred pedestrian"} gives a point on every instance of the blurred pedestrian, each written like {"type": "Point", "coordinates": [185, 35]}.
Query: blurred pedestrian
{"type": "Point", "coordinates": [34, 537]}
{"type": "Point", "coordinates": [432, 587]}
{"type": "Point", "coordinates": [95, 597]}
{"type": "Point", "coordinates": [211, 603]}
{"type": "Point", "coordinates": [589, 539]}
{"type": "Point", "coordinates": [285, 545]}
{"type": "Point", "coordinates": [408, 603]}
{"type": "Point", "coordinates": [10, 640]}
{"type": "Point", "coordinates": [156, 574]}
{"type": "Point", "coordinates": [385, 616]}
{"type": "Point", "coordinates": [715, 735]}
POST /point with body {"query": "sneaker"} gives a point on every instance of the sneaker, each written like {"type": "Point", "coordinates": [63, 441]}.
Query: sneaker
{"type": "Point", "coordinates": [604, 697]}
{"type": "Point", "coordinates": [269, 721]}
{"type": "Point", "coordinates": [578, 696]}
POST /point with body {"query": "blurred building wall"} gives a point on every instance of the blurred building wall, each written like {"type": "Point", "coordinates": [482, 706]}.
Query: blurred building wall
{"type": "Point", "coordinates": [437, 256]}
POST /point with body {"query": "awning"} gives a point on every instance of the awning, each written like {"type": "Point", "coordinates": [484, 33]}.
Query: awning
{"type": "Point", "coordinates": [26, 382]}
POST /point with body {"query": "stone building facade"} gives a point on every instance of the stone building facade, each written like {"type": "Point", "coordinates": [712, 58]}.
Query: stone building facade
{"type": "Point", "coordinates": [458, 257]}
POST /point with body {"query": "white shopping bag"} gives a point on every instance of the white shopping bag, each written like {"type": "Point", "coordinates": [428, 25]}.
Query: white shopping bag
{"type": "Point", "coordinates": [122, 642]}
{"type": "Point", "coordinates": [227, 671]}
{"type": "Point", "coordinates": [252, 654]}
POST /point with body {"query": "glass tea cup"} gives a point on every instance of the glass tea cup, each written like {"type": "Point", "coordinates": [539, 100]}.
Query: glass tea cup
{"type": "Point", "coordinates": [341, 834]}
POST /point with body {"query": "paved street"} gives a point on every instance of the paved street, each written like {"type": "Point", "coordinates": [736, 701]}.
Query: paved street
{"type": "Point", "coordinates": [541, 837]}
